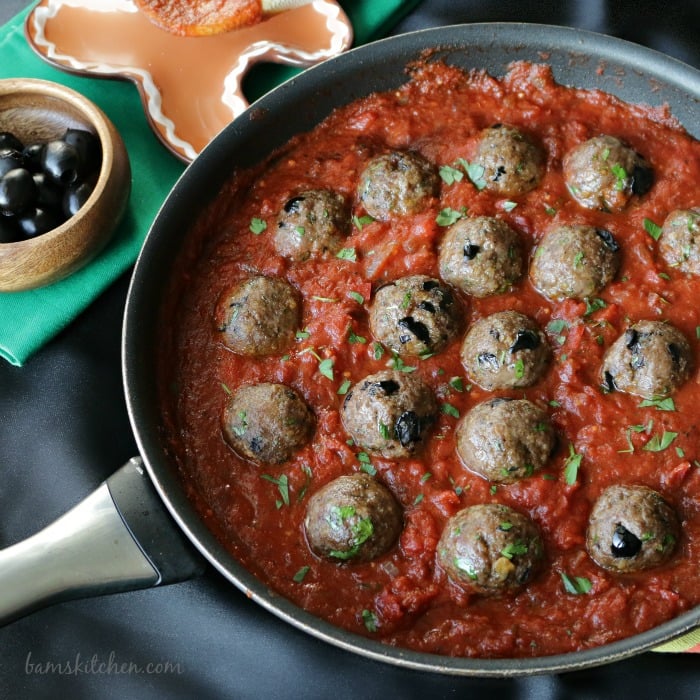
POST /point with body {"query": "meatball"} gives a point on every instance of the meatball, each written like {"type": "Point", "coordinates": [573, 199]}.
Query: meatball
{"type": "Point", "coordinates": [267, 423]}
{"type": "Point", "coordinates": [260, 316]}
{"type": "Point", "coordinates": [481, 256]}
{"type": "Point", "coordinates": [650, 359]}
{"type": "Point", "coordinates": [396, 184]}
{"type": "Point", "coordinates": [389, 413]}
{"type": "Point", "coordinates": [513, 164]}
{"type": "Point", "coordinates": [490, 548]}
{"type": "Point", "coordinates": [504, 440]}
{"type": "Point", "coordinates": [679, 244]}
{"type": "Point", "coordinates": [311, 224]}
{"type": "Point", "coordinates": [505, 350]}
{"type": "Point", "coordinates": [631, 528]}
{"type": "Point", "coordinates": [353, 518]}
{"type": "Point", "coordinates": [574, 262]}
{"type": "Point", "coordinates": [603, 173]}
{"type": "Point", "coordinates": [415, 315]}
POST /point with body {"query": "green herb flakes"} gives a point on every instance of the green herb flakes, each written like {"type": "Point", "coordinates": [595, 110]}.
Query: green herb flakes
{"type": "Point", "coordinates": [575, 585]}
{"type": "Point", "coordinates": [356, 296]}
{"type": "Point", "coordinates": [475, 173]}
{"type": "Point", "coordinates": [658, 443]}
{"type": "Point", "coordinates": [448, 216]}
{"type": "Point", "coordinates": [571, 466]}
{"type": "Point", "coordinates": [457, 383]}
{"type": "Point", "coordinates": [450, 175]}
{"type": "Point", "coordinates": [361, 221]}
{"type": "Point", "coordinates": [660, 403]}
{"type": "Point", "coordinates": [344, 387]}
{"type": "Point", "coordinates": [449, 410]}
{"type": "Point", "coordinates": [257, 226]}
{"type": "Point", "coordinates": [301, 574]}
{"type": "Point", "coordinates": [325, 367]}
{"type": "Point", "coordinates": [654, 230]}
{"type": "Point", "coordinates": [282, 483]}
{"type": "Point", "coordinates": [378, 351]}
{"type": "Point", "coordinates": [370, 620]}
{"type": "Point", "coordinates": [347, 254]}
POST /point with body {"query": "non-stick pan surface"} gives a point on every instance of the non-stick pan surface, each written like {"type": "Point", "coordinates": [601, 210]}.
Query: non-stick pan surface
{"type": "Point", "coordinates": [577, 58]}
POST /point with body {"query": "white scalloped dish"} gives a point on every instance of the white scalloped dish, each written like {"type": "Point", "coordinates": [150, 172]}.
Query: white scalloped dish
{"type": "Point", "coordinates": [190, 87]}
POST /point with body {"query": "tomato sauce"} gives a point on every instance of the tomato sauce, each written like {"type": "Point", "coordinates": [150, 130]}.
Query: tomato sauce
{"type": "Point", "coordinates": [403, 598]}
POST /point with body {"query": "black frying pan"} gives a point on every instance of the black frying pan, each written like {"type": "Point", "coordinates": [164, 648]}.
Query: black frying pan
{"type": "Point", "coordinates": [578, 58]}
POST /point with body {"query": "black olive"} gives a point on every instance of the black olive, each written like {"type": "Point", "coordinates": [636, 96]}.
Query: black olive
{"type": "Point", "coordinates": [10, 141]}
{"type": "Point", "coordinates": [256, 444]}
{"type": "Point", "coordinates": [8, 230]}
{"type": "Point", "coordinates": [61, 162]}
{"type": "Point", "coordinates": [624, 543]}
{"type": "Point", "coordinates": [608, 239]}
{"type": "Point", "coordinates": [87, 145]}
{"type": "Point", "coordinates": [75, 197]}
{"type": "Point", "coordinates": [642, 179]}
{"type": "Point", "coordinates": [637, 361]}
{"type": "Point", "coordinates": [416, 328]}
{"type": "Point", "coordinates": [291, 206]}
{"type": "Point", "coordinates": [497, 125]}
{"type": "Point", "coordinates": [427, 306]}
{"type": "Point", "coordinates": [408, 428]}
{"type": "Point", "coordinates": [488, 359]}
{"type": "Point", "coordinates": [38, 222]}
{"type": "Point", "coordinates": [471, 250]}
{"type": "Point", "coordinates": [10, 159]}
{"type": "Point", "coordinates": [17, 191]}
{"type": "Point", "coordinates": [429, 285]}
{"type": "Point", "coordinates": [49, 194]}
{"type": "Point", "coordinates": [32, 156]}
{"type": "Point", "coordinates": [499, 171]}
{"type": "Point", "coordinates": [525, 340]}
{"type": "Point", "coordinates": [675, 353]}
{"type": "Point", "coordinates": [632, 340]}
{"type": "Point", "coordinates": [608, 381]}
{"type": "Point", "coordinates": [386, 386]}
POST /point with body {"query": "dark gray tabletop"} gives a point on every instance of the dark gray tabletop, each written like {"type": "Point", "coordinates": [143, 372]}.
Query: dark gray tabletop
{"type": "Point", "coordinates": [64, 428]}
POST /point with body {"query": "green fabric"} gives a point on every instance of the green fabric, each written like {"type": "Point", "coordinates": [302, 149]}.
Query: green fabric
{"type": "Point", "coordinates": [30, 319]}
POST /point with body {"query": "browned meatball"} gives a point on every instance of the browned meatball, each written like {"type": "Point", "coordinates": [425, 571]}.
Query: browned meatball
{"type": "Point", "coordinates": [631, 528]}
{"type": "Point", "coordinates": [311, 224]}
{"type": "Point", "coordinates": [679, 244]}
{"type": "Point", "coordinates": [481, 256]}
{"type": "Point", "coordinates": [603, 173]}
{"type": "Point", "coordinates": [513, 164]}
{"type": "Point", "coordinates": [267, 423]}
{"type": "Point", "coordinates": [353, 518]}
{"type": "Point", "coordinates": [389, 413]}
{"type": "Point", "coordinates": [490, 548]}
{"type": "Point", "coordinates": [505, 350]}
{"type": "Point", "coordinates": [574, 262]}
{"type": "Point", "coordinates": [396, 184]}
{"type": "Point", "coordinates": [650, 359]}
{"type": "Point", "coordinates": [260, 316]}
{"type": "Point", "coordinates": [504, 440]}
{"type": "Point", "coordinates": [415, 315]}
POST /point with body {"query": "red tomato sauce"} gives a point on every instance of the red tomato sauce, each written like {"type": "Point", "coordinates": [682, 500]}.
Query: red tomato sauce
{"type": "Point", "coordinates": [404, 598]}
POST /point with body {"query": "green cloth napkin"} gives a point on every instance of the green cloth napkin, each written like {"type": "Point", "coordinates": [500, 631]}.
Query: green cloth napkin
{"type": "Point", "coordinates": [30, 319]}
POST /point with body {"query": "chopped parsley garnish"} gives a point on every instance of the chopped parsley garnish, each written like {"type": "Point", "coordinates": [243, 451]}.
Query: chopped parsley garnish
{"type": "Point", "coordinates": [354, 338]}
{"type": "Point", "coordinates": [514, 549]}
{"type": "Point", "coordinates": [519, 368]}
{"type": "Point", "coordinates": [654, 230]}
{"type": "Point", "coordinates": [361, 529]}
{"type": "Point", "coordinates": [571, 466]}
{"type": "Point", "coordinates": [505, 526]}
{"type": "Point", "coordinates": [620, 176]}
{"type": "Point", "coordinates": [575, 585]}
{"type": "Point", "coordinates": [361, 221]}
{"type": "Point", "coordinates": [302, 335]}
{"type": "Point", "coordinates": [457, 383]}
{"type": "Point", "coordinates": [449, 410]}
{"type": "Point", "coordinates": [550, 211]}
{"type": "Point", "coordinates": [282, 484]}
{"type": "Point", "coordinates": [343, 388]}
{"type": "Point", "coordinates": [378, 350]}
{"type": "Point", "coordinates": [325, 300]}
{"type": "Point", "coordinates": [398, 364]}
{"type": "Point", "coordinates": [593, 305]}
{"type": "Point", "coordinates": [325, 367]}
{"type": "Point", "coordinates": [384, 431]}
{"type": "Point", "coordinates": [475, 173]}
{"type": "Point", "coordinates": [243, 425]}
{"type": "Point", "coordinates": [366, 464]}
{"type": "Point", "coordinates": [300, 230]}
{"type": "Point", "coordinates": [370, 620]}
{"type": "Point", "coordinates": [508, 205]}
{"type": "Point", "coordinates": [257, 226]}
{"type": "Point", "coordinates": [299, 576]}
{"type": "Point", "coordinates": [226, 389]}
{"type": "Point", "coordinates": [347, 254]}
{"type": "Point", "coordinates": [418, 499]}
{"type": "Point", "coordinates": [658, 443]}
{"type": "Point", "coordinates": [448, 216]}
{"type": "Point", "coordinates": [450, 175]}
{"type": "Point", "coordinates": [356, 296]}
{"type": "Point", "coordinates": [660, 403]}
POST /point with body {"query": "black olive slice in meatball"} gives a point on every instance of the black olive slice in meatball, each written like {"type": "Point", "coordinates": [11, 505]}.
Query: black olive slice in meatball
{"type": "Point", "coordinates": [481, 256]}
{"type": "Point", "coordinates": [650, 359]}
{"type": "Point", "coordinates": [513, 163]}
{"type": "Point", "coordinates": [312, 224]}
{"type": "Point", "coordinates": [631, 528]}
{"type": "Point", "coordinates": [490, 548]}
{"type": "Point", "coordinates": [504, 440]}
{"type": "Point", "coordinates": [389, 413]}
{"type": "Point", "coordinates": [603, 173]}
{"type": "Point", "coordinates": [267, 423]}
{"type": "Point", "coordinates": [505, 350]}
{"type": "Point", "coordinates": [396, 184]}
{"type": "Point", "coordinates": [260, 316]}
{"type": "Point", "coordinates": [679, 243]}
{"type": "Point", "coordinates": [415, 315]}
{"type": "Point", "coordinates": [353, 518]}
{"type": "Point", "coordinates": [574, 262]}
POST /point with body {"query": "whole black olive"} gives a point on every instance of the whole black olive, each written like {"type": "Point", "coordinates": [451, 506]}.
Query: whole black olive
{"type": "Point", "coordinates": [49, 194]}
{"type": "Point", "coordinates": [10, 141]}
{"type": "Point", "coordinates": [8, 230]}
{"type": "Point", "coordinates": [10, 159]}
{"type": "Point", "coordinates": [87, 145]}
{"type": "Point", "coordinates": [38, 221]}
{"type": "Point", "coordinates": [75, 197]}
{"type": "Point", "coordinates": [33, 153]}
{"type": "Point", "coordinates": [17, 191]}
{"type": "Point", "coordinates": [624, 543]}
{"type": "Point", "coordinates": [60, 161]}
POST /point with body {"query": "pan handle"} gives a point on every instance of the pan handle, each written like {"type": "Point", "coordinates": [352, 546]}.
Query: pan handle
{"type": "Point", "coordinates": [119, 538]}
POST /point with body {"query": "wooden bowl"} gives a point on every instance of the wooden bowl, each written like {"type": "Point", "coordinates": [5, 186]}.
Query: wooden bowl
{"type": "Point", "coordinates": [40, 111]}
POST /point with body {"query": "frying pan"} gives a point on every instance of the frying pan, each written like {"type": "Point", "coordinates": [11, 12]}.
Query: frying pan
{"type": "Point", "coordinates": [139, 529]}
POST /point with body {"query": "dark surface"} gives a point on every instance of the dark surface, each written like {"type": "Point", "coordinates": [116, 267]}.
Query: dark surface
{"type": "Point", "coordinates": [64, 428]}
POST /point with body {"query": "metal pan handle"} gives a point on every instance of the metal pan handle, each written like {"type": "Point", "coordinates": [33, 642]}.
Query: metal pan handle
{"type": "Point", "coordinates": [119, 538]}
